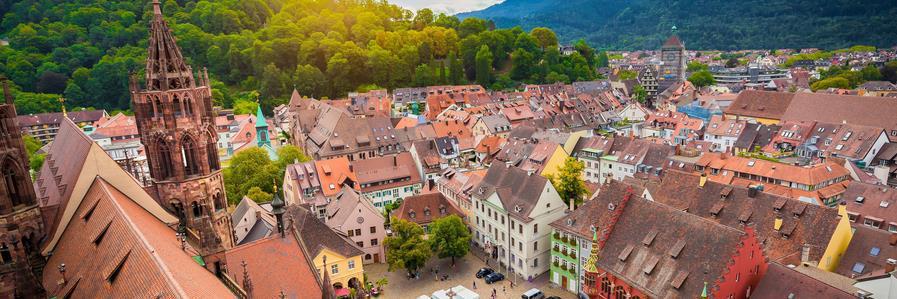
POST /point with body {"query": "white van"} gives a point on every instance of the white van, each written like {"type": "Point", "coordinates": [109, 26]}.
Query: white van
{"type": "Point", "coordinates": [533, 294]}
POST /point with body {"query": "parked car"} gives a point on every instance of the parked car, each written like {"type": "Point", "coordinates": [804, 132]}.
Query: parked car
{"type": "Point", "coordinates": [533, 294]}
{"type": "Point", "coordinates": [484, 271]}
{"type": "Point", "coordinates": [494, 277]}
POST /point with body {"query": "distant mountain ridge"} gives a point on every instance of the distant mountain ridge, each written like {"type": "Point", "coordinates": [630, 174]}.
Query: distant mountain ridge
{"type": "Point", "coordinates": [706, 24]}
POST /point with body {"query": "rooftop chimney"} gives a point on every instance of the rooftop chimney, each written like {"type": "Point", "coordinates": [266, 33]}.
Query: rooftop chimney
{"type": "Point", "coordinates": [893, 239]}
{"type": "Point", "coordinates": [752, 191]}
{"type": "Point", "coordinates": [703, 180]}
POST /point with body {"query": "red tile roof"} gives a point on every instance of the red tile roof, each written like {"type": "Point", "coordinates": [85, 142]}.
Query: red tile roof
{"type": "Point", "coordinates": [292, 275]}
{"type": "Point", "coordinates": [113, 247]}
{"type": "Point", "coordinates": [425, 208]}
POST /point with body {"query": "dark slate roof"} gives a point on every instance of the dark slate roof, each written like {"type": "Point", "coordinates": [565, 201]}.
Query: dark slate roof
{"type": "Point", "coordinates": [258, 231]}
{"type": "Point", "coordinates": [316, 235]}
{"type": "Point", "coordinates": [515, 188]}
{"type": "Point", "coordinates": [56, 117]}
{"type": "Point", "coordinates": [813, 225]}
{"type": "Point", "coordinates": [756, 135]}
{"type": "Point", "coordinates": [782, 282]}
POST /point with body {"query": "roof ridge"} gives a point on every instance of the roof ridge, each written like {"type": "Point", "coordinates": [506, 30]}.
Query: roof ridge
{"type": "Point", "coordinates": [153, 253]}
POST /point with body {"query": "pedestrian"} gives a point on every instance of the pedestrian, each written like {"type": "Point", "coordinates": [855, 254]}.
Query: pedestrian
{"type": "Point", "coordinates": [503, 290]}
{"type": "Point", "coordinates": [474, 284]}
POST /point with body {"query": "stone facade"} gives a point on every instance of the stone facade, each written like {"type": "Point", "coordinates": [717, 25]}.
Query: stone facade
{"type": "Point", "coordinates": [176, 124]}
{"type": "Point", "coordinates": [21, 226]}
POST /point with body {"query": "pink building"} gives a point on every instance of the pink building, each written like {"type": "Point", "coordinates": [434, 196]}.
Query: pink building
{"type": "Point", "coordinates": [351, 214]}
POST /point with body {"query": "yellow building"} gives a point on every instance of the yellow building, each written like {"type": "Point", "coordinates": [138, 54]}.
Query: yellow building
{"type": "Point", "coordinates": [839, 242]}
{"type": "Point", "coordinates": [555, 162]}
{"type": "Point", "coordinates": [330, 251]}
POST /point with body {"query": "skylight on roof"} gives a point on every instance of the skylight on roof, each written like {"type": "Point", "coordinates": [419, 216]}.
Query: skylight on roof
{"type": "Point", "coordinates": [858, 268]}
{"type": "Point", "coordinates": [874, 251]}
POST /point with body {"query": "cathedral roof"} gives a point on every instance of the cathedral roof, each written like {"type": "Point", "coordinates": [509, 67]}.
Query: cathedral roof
{"type": "Point", "coordinates": [72, 163]}
{"type": "Point", "coordinates": [115, 246]}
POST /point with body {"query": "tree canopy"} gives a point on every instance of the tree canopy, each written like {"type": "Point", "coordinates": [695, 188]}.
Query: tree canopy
{"type": "Point", "coordinates": [406, 248]}
{"type": "Point", "coordinates": [568, 181]}
{"type": "Point", "coordinates": [449, 237]}
{"type": "Point", "coordinates": [84, 50]}
{"type": "Point", "coordinates": [251, 173]}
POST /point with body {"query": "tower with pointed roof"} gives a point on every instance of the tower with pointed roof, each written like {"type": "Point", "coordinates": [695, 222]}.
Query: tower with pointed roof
{"type": "Point", "coordinates": [261, 129]}
{"type": "Point", "coordinates": [22, 227]}
{"type": "Point", "coordinates": [590, 268]}
{"type": "Point", "coordinates": [672, 54]}
{"type": "Point", "coordinates": [176, 123]}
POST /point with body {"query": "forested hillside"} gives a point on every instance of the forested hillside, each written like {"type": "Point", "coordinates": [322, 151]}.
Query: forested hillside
{"type": "Point", "coordinates": [706, 24]}
{"type": "Point", "coordinates": [84, 50]}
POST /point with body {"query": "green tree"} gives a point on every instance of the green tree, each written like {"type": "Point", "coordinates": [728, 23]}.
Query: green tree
{"type": "Point", "coordinates": [245, 107]}
{"type": "Point", "coordinates": [484, 66]}
{"type": "Point", "coordinates": [273, 82]}
{"type": "Point", "coordinates": [522, 63]}
{"type": "Point", "coordinates": [250, 168]}
{"type": "Point", "coordinates": [259, 196]}
{"type": "Point", "coordinates": [639, 93]}
{"type": "Point", "coordinates": [35, 160]}
{"type": "Point", "coordinates": [545, 38]}
{"type": "Point", "coordinates": [290, 154]}
{"type": "Point", "coordinates": [309, 80]}
{"type": "Point", "coordinates": [871, 73]}
{"type": "Point", "coordinates": [456, 69]}
{"type": "Point", "coordinates": [423, 76]}
{"type": "Point", "coordinates": [695, 66]}
{"type": "Point", "coordinates": [603, 60]}
{"type": "Point", "coordinates": [449, 237]}
{"type": "Point", "coordinates": [732, 62]}
{"type": "Point", "coordinates": [406, 248]}
{"type": "Point", "coordinates": [889, 71]}
{"type": "Point", "coordinates": [834, 82]}
{"type": "Point", "coordinates": [423, 18]}
{"type": "Point", "coordinates": [628, 75]}
{"type": "Point", "coordinates": [568, 181]}
{"type": "Point", "coordinates": [554, 77]}
{"type": "Point", "coordinates": [702, 79]}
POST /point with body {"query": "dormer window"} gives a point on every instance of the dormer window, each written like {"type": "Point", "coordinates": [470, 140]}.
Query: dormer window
{"type": "Point", "coordinates": [426, 211]}
{"type": "Point", "coordinates": [412, 214]}
{"type": "Point", "coordinates": [570, 221]}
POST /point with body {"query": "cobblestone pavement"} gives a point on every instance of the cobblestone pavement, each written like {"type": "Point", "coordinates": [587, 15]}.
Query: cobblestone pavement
{"type": "Point", "coordinates": [462, 274]}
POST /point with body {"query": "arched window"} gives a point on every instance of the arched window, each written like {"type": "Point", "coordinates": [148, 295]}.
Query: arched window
{"type": "Point", "coordinates": [619, 292]}
{"type": "Point", "coordinates": [157, 109]}
{"type": "Point", "coordinates": [165, 166]}
{"type": "Point", "coordinates": [5, 255]}
{"type": "Point", "coordinates": [197, 210]}
{"type": "Point", "coordinates": [189, 155]}
{"type": "Point", "coordinates": [13, 179]}
{"type": "Point", "coordinates": [188, 106]}
{"type": "Point", "coordinates": [605, 285]}
{"type": "Point", "coordinates": [212, 153]}
{"type": "Point", "coordinates": [176, 107]}
{"type": "Point", "coordinates": [219, 201]}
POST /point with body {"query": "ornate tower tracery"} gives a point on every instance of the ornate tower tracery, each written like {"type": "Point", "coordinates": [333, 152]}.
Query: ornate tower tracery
{"type": "Point", "coordinates": [21, 225]}
{"type": "Point", "coordinates": [176, 123]}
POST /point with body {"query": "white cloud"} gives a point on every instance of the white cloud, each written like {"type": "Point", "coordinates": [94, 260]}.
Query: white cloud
{"type": "Point", "coordinates": [446, 6]}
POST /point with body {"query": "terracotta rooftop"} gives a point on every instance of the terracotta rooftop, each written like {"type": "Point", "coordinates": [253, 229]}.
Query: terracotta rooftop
{"type": "Point", "coordinates": [54, 118]}
{"type": "Point", "coordinates": [333, 173]}
{"type": "Point", "coordinates": [399, 169]}
{"type": "Point", "coordinates": [802, 223]}
{"type": "Point", "coordinates": [113, 245]}
{"type": "Point", "coordinates": [811, 175]}
{"type": "Point", "coordinates": [273, 265]}
{"type": "Point", "coordinates": [425, 208]}
{"type": "Point", "coordinates": [639, 247]}
{"type": "Point", "coordinates": [781, 281]}
{"type": "Point", "coordinates": [762, 104]}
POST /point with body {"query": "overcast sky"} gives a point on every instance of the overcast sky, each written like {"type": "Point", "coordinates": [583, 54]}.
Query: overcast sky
{"type": "Point", "coordinates": [446, 6]}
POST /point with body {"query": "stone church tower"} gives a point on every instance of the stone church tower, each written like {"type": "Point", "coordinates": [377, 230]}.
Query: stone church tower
{"type": "Point", "coordinates": [176, 123]}
{"type": "Point", "coordinates": [21, 225]}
